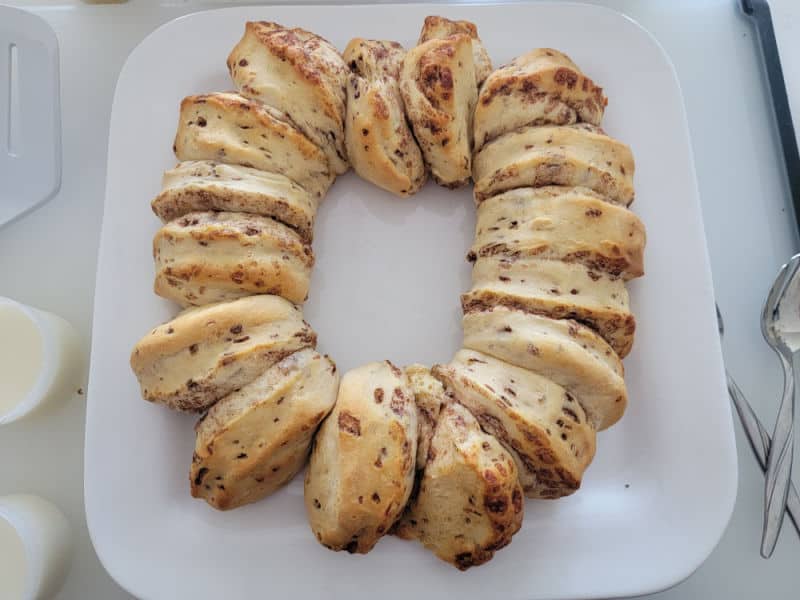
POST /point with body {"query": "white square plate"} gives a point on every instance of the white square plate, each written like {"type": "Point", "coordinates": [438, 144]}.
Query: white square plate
{"type": "Point", "coordinates": [387, 283]}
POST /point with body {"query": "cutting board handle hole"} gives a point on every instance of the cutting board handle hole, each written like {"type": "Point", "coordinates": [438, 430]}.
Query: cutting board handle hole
{"type": "Point", "coordinates": [13, 116]}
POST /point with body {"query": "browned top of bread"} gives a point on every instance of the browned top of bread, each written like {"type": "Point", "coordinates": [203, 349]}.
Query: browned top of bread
{"type": "Point", "coordinates": [437, 82]}
{"type": "Point", "coordinates": [379, 142]}
{"type": "Point", "coordinates": [538, 422]}
{"type": "Point", "coordinates": [299, 73]}
{"type": "Point", "coordinates": [552, 72]}
{"type": "Point", "coordinates": [314, 57]}
{"type": "Point", "coordinates": [436, 27]}
{"type": "Point", "coordinates": [374, 59]}
{"type": "Point", "coordinates": [469, 502]}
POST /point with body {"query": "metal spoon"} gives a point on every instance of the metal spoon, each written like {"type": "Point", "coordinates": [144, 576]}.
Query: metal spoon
{"type": "Point", "coordinates": [780, 325]}
{"type": "Point", "coordinates": [757, 434]}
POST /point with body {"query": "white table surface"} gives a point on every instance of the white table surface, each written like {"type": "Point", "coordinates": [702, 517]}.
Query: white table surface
{"type": "Point", "coordinates": [48, 258]}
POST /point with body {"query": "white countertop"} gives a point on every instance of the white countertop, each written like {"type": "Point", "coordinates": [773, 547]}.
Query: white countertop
{"type": "Point", "coordinates": [48, 258]}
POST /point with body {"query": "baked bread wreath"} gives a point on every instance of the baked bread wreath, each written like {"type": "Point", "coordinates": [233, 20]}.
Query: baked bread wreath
{"type": "Point", "coordinates": [443, 454]}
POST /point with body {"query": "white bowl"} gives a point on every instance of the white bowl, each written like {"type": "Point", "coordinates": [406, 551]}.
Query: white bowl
{"type": "Point", "coordinates": [41, 552]}
{"type": "Point", "coordinates": [59, 362]}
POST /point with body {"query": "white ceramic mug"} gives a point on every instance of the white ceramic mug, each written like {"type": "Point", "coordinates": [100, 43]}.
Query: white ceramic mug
{"type": "Point", "coordinates": [35, 548]}
{"type": "Point", "coordinates": [40, 360]}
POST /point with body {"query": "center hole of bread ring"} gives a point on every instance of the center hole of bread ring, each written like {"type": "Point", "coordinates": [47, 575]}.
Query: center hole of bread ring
{"type": "Point", "coordinates": [389, 273]}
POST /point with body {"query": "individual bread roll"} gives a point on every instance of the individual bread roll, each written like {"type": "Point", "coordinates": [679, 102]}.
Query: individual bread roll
{"type": "Point", "coordinates": [570, 354]}
{"type": "Point", "coordinates": [541, 425]}
{"type": "Point", "coordinates": [429, 398]}
{"type": "Point", "coordinates": [229, 128]}
{"type": "Point", "coordinates": [435, 28]}
{"type": "Point", "coordinates": [554, 289]}
{"type": "Point", "coordinates": [207, 352]}
{"type": "Point", "coordinates": [437, 82]}
{"type": "Point", "coordinates": [470, 502]}
{"type": "Point", "coordinates": [379, 142]}
{"type": "Point", "coordinates": [257, 438]}
{"type": "Point", "coordinates": [362, 466]}
{"type": "Point", "coordinates": [206, 257]}
{"type": "Point", "coordinates": [573, 155]}
{"type": "Point", "coordinates": [300, 74]}
{"type": "Point", "coordinates": [569, 224]}
{"type": "Point", "coordinates": [200, 185]}
{"type": "Point", "coordinates": [540, 87]}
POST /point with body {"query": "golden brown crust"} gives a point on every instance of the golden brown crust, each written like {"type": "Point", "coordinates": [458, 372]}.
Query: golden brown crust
{"type": "Point", "coordinates": [542, 86]}
{"type": "Point", "coordinates": [536, 420]}
{"type": "Point", "coordinates": [557, 290]}
{"type": "Point", "coordinates": [207, 352]}
{"type": "Point", "coordinates": [564, 224]}
{"type": "Point", "coordinates": [362, 467]}
{"type": "Point", "coordinates": [374, 59]}
{"type": "Point", "coordinates": [437, 82]}
{"type": "Point", "coordinates": [206, 257]}
{"type": "Point", "coordinates": [436, 27]}
{"type": "Point", "coordinates": [380, 145]}
{"type": "Point", "coordinates": [469, 503]}
{"type": "Point", "coordinates": [202, 185]}
{"type": "Point", "coordinates": [300, 74]}
{"type": "Point", "coordinates": [573, 155]}
{"type": "Point", "coordinates": [570, 354]}
{"type": "Point", "coordinates": [229, 128]}
{"type": "Point", "coordinates": [256, 439]}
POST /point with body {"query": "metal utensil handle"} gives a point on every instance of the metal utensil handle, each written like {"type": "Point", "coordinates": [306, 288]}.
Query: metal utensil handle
{"type": "Point", "coordinates": [779, 464]}
{"type": "Point", "coordinates": [759, 11]}
{"type": "Point", "coordinates": [760, 442]}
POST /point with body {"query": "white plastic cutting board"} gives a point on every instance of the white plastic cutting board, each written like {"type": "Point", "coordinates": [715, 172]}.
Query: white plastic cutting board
{"type": "Point", "coordinates": [386, 285]}
{"type": "Point", "coordinates": [30, 118]}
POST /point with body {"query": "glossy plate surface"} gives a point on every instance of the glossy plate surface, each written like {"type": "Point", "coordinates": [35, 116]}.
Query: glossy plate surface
{"type": "Point", "coordinates": [386, 285]}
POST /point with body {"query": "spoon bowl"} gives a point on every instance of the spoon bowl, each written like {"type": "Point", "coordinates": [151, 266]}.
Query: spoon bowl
{"type": "Point", "coordinates": [780, 325]}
